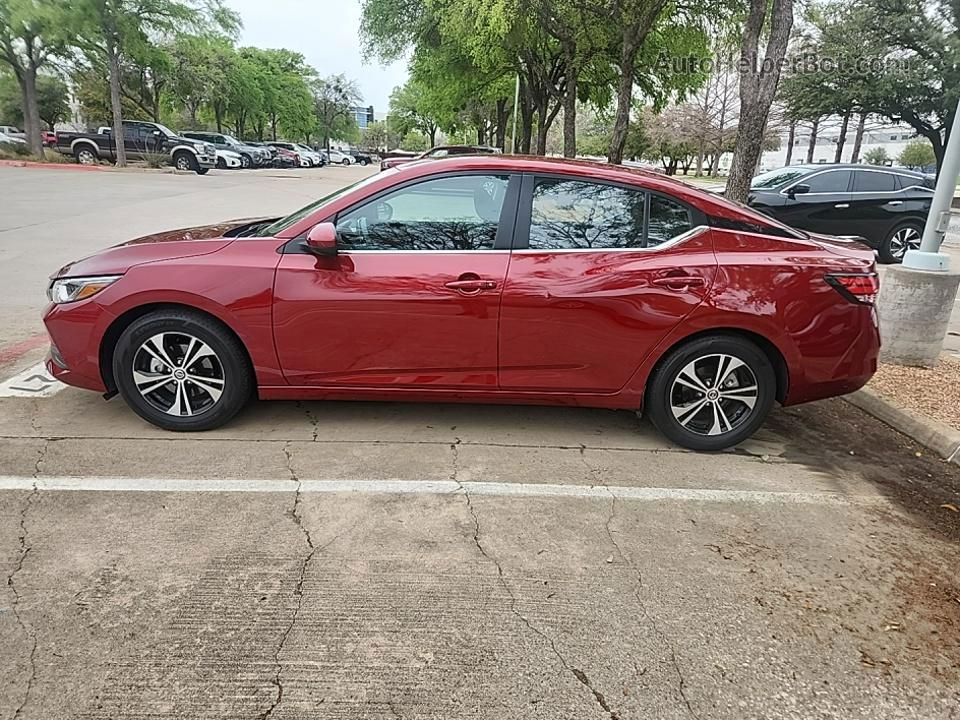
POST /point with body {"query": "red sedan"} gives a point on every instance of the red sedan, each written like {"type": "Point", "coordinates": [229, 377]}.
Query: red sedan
{"type": "Point", "coordinates": [482, 279]}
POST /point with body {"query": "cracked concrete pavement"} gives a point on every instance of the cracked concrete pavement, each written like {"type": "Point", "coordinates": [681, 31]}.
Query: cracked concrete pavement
{"type": "Point", "coordinates": [376, 560]}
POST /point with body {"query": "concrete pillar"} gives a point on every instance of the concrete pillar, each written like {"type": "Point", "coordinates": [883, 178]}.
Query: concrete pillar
{"type": "Point", "coordinates": [914, 308]}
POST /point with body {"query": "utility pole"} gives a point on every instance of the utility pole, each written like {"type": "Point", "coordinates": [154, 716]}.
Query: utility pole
{"type": "Point", "coordinates": [917, 297]}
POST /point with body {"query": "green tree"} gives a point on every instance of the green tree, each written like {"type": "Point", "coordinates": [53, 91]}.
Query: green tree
{"type": "Point", "coordinates": [51, 100]}
{"type": "Point", "coordinates": [876, 156]}
{"type": "Point", "coordinates": [32, 32]}
{"type": "Point", "coordinates": [918, 154]}
{"type": "Point", "coordinates": [334, 98]}
{"type": "Point", "coordinates": [410, 109]}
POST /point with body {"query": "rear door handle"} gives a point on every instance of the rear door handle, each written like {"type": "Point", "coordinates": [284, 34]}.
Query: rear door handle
{"type": "Point", "coordinates": [471, 285]}
{"type": "Point", "coordinates": [842, 205]}
{"type": "Point", "coordinates": [895, 202]}
{"type": "Point", "coordinates": [676, 282]}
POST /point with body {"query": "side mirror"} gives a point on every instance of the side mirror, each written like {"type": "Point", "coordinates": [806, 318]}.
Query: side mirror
{"type": "Point", "coordinates": [322, 239]}
{"type": "Point", "coordinates": [798, 190]}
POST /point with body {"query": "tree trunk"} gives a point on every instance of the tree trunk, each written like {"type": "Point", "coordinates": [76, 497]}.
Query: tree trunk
{"type": "Point", "coordinates": [502, 116]}
{"type": "Point", "coordinates": [570, 107]}
{"type": "Point", "coordinates": [27, 79]}
{"type": "Point", "coordinates": [433, 135]}
{"type": "Point", "coordinates": [218, 114]}
{"type": "Point", "coordinates": [621, 123]}
{"type": "Point", "coordinates": [812, 144]}
{"type": "Point", "coordinates": [842, 139]}
{"type": "Point", "coordinates": [113, 65]}
{"type": "Point", "coordinates": [791, 136]}
{"type": "Point", "coordinates": [858, 139]}
{"type": "Point", "coordinates": [546, 117]}
{"type": "Point", "coordinates": [526, 126]}
{"type": "Point", "coordinates": [758, 84]}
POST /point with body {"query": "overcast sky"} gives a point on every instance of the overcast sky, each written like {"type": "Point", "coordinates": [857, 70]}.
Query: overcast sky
{"type": "Point", "coordinates": [327, 32]}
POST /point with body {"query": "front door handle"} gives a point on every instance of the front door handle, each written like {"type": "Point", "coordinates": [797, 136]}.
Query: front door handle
{"type": "Point", "coordinates": [471, 286]}
{"type": "Point", "coordinates": [842, 205]}
{"type": "Point", "coordinates": [895, 202]}
{"type": "Point", "coordinates": [678, 282]}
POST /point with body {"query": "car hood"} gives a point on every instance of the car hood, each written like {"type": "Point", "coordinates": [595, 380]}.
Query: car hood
{"type": "Point", "coordinates": [167, 245]}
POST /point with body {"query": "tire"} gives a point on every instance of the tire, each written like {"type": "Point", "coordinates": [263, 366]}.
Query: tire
{"type": "Point", "coordinates": [219, 363]}
{"type": "Point", "coordinates": [901, 238]}
{"type": "Point", "coordinates": [245, 162]}
{"type": "Point", "coordinates": [363, 163]}
{"type": "Point", "coordinates": [185, 161]}
{"type": "Point", "coordinates": [221, 164]}
{"type": "Point", "coordinates": [202, 171]}
{"type": "Point", "coordinates": [672, 401]}
{"type": "Point", "coordinates": [345, 161]}
{"type": "Point", "coordinates": [86, 155]}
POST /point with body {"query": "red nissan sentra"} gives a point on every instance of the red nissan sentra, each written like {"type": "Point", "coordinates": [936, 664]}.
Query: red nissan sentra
{"type": "Point", "coordinates": [480, 279]}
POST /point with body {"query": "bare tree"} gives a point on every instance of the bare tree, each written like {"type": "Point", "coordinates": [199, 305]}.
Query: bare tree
{"type": "Point", "coordinates": [758, 84]}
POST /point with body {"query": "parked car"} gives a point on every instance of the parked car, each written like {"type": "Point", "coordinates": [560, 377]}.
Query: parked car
{"type": "Point", "coordinates": [49, 138]}
{"type": "Point", "coordinates": [479, 279]}
{"type": "Point", "coordinates": [140, 139]}
{"type": "Point", "coordinates": [11, 139]}
{"type": "Point", "coordinates": [338, 157]}
{"type": "Point", "coordinates": [361, 158]}
{"type": "Point", "coordinates": [272, 152]}
{"type": "Point", "coordinates": [440, 151]}
{"type": "Point", "coordinates": [12, 131]}
{"type": "Point", "coordinates": [251, 155]}
{"type": "Point", "coordinates": [228, 159]}
{"type": "Point", "coordinates": [315, 157]}
{"type": "Point", "coordinates": [887, 207]}
{"type": "Point", "coordinates": [304, 158]}
{"type": "Point", "coordinates": [288, 158]}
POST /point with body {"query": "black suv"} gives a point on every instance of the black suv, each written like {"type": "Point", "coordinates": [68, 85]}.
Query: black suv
{"type": "Point", "coordinates": [886, 206]}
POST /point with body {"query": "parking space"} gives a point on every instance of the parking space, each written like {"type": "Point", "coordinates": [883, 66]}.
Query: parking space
{"type": "Point", "coordinates": [387, 560]}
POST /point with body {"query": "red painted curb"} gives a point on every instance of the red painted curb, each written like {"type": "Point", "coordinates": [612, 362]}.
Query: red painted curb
{"type": "Point", "coordinates": [12, 352]}
{"type": "Point", "coordinates": [49, 166]}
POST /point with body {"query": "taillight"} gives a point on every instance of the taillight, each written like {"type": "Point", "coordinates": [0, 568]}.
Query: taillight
{"type": "Point", "coordinates": [856, 287]}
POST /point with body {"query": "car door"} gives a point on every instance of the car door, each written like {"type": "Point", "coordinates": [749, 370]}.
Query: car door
{"type": "Point", "coordinates": [824, 208]}
{"type": "Point", "coordinates": [412, 299]}
{"type": "Point", "coordinates": [600, 273]}
{"type": "Point", "coordinates": [877, 202]}
{"type": "Point", "coordinates": [133, 140]}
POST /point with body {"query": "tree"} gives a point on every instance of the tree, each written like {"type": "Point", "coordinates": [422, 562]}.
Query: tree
{"type": "Point", "coordinates": [917, 155]}
{"type": "Point", "coordinates": [410, 110]}
{"type": "Point", "coordinates": [758, 84]}
{"type": "Point", "coordinates": [108, 31]}
{"type": "Point", "coordinates": [334, 98]}
{"type": "Point", "coordinates": [51, 100]}
{"type": "Point", "coordinates": [876, 156]}
{"type": "Point", "coordinates": [31, 33]}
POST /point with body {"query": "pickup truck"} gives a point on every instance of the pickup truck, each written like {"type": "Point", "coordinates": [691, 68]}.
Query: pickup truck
{"type": "Point", "coordinates": [139, 140]}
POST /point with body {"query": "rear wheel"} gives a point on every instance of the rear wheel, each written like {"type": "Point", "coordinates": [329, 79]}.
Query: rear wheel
{"type": "Point", "coordinates": [221, 164]}
{"type": "Point", "coordinates": [711, 393]}
{"type": "Point", "coordinates": [182, 371]}
{"type": "Point", "coordinates": [346, 161]}
{"type": "Point", "coordinates": [245, 161]}
{"type": "Point", "coordinates": [902, 238]}
{"type": "Point", "coordinates": [86, 155]}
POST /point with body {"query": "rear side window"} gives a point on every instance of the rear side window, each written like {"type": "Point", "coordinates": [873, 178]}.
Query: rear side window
{"type": "Point", "coordinates": [575, 215]}
{"type": "Point", "coordinates": [667, 220]}
{"type": "Point", "coordinates": [833, 181]}
{"type": "Point", "coordinates": [869, 181]}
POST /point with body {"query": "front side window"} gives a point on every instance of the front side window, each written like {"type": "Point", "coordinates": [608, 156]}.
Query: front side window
{"type": "Point", "coordinates": [576, 215]}
{"type": "Point", "coordinates": [776, 178]}
{"type": "Point", "coordinates": [833, 181]}
{"type": "Point", "coordinates": [449, 213]}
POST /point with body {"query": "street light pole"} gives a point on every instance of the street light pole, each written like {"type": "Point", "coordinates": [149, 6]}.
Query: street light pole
{"type": "Point", "coordinates": [929, 257]}
{"type": "Point", "coordinates": [917, 297]}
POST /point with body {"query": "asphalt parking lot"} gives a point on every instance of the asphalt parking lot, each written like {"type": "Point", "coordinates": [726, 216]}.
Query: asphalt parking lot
{"type": "Point", "coordinates": [377, 560]}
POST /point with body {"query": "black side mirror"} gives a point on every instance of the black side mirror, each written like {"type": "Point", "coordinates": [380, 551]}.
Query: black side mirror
{"type": "Point", "coordinates": [800, 189]}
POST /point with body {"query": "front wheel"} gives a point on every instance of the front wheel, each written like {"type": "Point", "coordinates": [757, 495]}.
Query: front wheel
{"type": "Point", "coordinates": [711, 393]}
{"type": "Point", "coordinates": [346, 162]}
{"type": "Point", "coordinates": [363, 163]}
{"type": "Point", "coordinates": [185, 161]}
{"type": "Point", "coordinates": [898, 241]}
{"type": "Point", "coordinates": [86, 155]}
{"type": "Point", "coordinates": [182, 371]}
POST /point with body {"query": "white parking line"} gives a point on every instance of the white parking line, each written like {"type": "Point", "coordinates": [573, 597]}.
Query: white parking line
{"type": "Point", "coordinates": [33, 382]}
{"type": "Point", "coordinates": [438, 487]}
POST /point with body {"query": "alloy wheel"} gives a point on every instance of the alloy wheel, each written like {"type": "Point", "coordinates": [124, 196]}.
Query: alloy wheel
{"type": "Point", "coordinates": [713, 394]}
{"type": "Point", "coordinates": [183, 163]}
{"type": "Point", "coordinates": [907, 238]}
{"type": "Point", "coordinates": [86, 157]}
{"type": "Point", "coordinates": [178, 374]}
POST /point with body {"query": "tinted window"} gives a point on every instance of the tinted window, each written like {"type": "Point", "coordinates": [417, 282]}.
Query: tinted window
{"type": "Point", "coordinates": [776, 178]}
{"type": "Point", "coordinates": [867, 181]}
{"type": "Point", "coordinates": [451, 213]}
{"type": "Point", "coordinates": [833, 181]}
{"type": "Point", "coordinates": [570, 214]}
{"type": "Point", "coordinates": [667, 220]}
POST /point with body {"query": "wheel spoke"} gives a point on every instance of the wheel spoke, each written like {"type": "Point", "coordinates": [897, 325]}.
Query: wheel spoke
{"type": "Point", "coordinates": [154, 346]}
{"type": "Point", "coordinates": [208, 386]}
{"type": "Point", "coordinates": [728, 363]}
{"type": "Point", "coordinates": [688, 376]}
{"type": "Point", "coordinates": [746, 395]}
{"type": "Point", "coordinates": [685, 413]}
{"type": "Point", "coordinates": [721, 423]}
{"type": "Point", "coordinates": [148, 383]}
{"type": "Point", "coordinates": [202, 351]}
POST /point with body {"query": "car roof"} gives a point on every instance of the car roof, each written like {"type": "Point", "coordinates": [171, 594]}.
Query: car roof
{"type": "Point", "coordinates": [851, 166]}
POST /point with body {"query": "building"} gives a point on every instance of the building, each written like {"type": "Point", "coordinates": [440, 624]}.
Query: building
{"type": "Point", "coordinates": [363, 115]}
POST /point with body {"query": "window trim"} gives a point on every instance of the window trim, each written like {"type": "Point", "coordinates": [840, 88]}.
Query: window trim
{"type": "Point", "coordinates": [521, 230]}
{"type": "Point", "coordinates": [501, 242]}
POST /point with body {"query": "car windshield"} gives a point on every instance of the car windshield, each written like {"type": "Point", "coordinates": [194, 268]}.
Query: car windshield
{"type": "Point", "coordinates": [292, 219]}
{"type": "Point", "coordinates": [231, 140]}
{"type": "Point", "coordinates": [776, 178]}
{"type": "Point", "coordinates": [165, 130]}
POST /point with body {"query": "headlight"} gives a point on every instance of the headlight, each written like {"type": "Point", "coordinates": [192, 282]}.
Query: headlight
{"type": "Point", "coordinates": [64, 290]}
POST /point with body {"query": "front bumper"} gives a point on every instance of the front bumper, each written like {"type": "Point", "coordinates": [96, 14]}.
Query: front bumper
{"type": "Point", "coordinates": [76, 330]}
{"type": "Point", "coordinates": [206, 161]}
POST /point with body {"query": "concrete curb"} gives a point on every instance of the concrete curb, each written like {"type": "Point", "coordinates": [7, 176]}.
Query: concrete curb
{"type": "Point", "coordinates": [937, 436]}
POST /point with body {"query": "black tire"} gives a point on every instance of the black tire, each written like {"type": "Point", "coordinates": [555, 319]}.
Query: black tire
{"type": "Point", "coordinates": [202, 171]}
{"type": "Point", "coordinates": [86, 155]}
{"type": "Point", "coordinates": [184, 160]}
{"type": "Point", "coordinates": [736, 420]}
{"type": "Point", "coordinates": [345, 161]}
{"type": "Point", "coordinates": [228, 362]}
{"type": "Point", "coordinates": [221, 164]}
{"type": "Point", "coordinates": [901, 238]}
{"type": "Point", "coordinates": [363, 163]}
{"type": "Point", "coordinates": [245, 162]}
